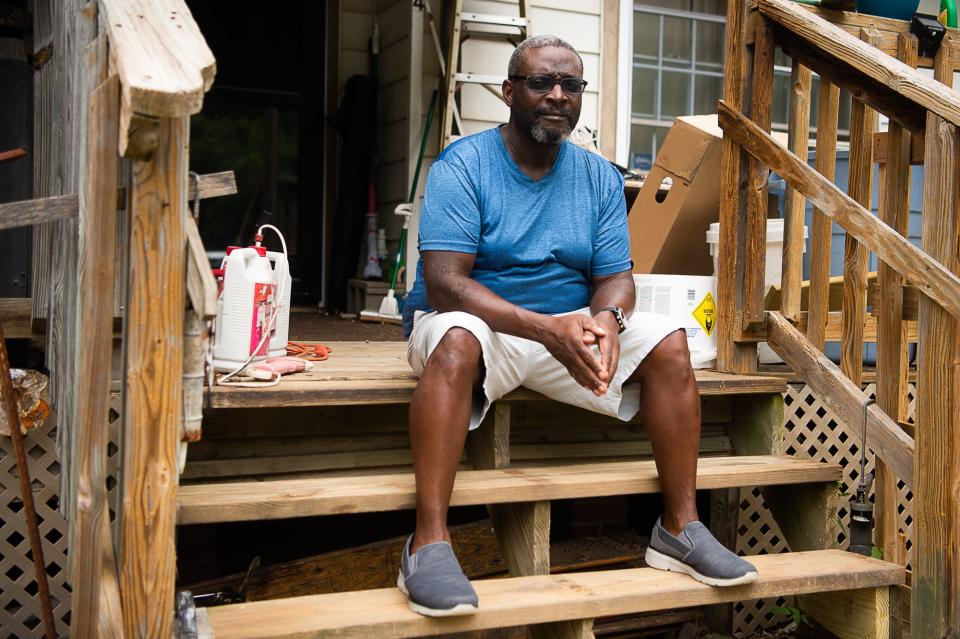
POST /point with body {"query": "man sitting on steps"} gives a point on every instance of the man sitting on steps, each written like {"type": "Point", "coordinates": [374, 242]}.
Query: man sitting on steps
{"type": "Point", "coordinates": [525, 280]}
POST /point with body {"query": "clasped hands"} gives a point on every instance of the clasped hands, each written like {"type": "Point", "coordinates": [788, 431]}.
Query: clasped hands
{"type": "Point", "coordinates": [571, 340]}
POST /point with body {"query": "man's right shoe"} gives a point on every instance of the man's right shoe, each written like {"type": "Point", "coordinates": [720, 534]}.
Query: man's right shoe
{"type": "Point", "coordinates": [697, 553]}
{"type": "Point", "coordinates": [433, 582]}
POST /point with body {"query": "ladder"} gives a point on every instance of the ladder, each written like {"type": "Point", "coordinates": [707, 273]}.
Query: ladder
{"type": "Point", "coordinates": [465, 25]}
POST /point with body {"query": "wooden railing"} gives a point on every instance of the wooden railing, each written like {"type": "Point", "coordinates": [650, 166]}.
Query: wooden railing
{"type": "Point", "coordinates": [141, 78]}
{"type": "Point", "coordinates": [875, 60]}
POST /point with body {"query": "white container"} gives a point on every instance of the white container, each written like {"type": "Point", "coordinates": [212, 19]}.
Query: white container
{"type": "Point", "coordinates": [281, 327]}
{"type": "Point", "coordinates": [244, 309]}
{"type": "Point", "coordinates": [772, 272]}
{"type": "Point", "coordinates": [689, 299]}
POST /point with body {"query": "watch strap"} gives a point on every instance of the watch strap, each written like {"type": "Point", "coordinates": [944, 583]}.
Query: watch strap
{"type": "Point", "coordinates": [619, 315]}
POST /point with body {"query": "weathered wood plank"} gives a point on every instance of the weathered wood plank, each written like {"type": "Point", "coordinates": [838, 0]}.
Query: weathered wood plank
{"type": "Point", "coordinates": [29, 212]}
{"type": "Point", "coordinates": [841, 395]}
{"type": "Point", "coordinates": [245, 501]}
{"type": "Point", "coordinates": [834, 329]}
{"type": "Point", "coordinates": [794, 207]}
{"type": "Point", "coordinates": [892, 360]}
{"type": "Point", "coordinates": [202, 287]}
{"type": "Point", "coordinates": [863, 123]}
{"type": "Point", "coordinates": [926, 93]}
{"type": "Point", "coordinates": [489, 445]}
{"type": "Point", "coordinates": [384, 613]}
{"type": "Point", "coordinates": [935, 610]}
{"type": "Point", "coordinates": [755, 228]}
{"type": "Point", "coordinates": [213, 185]}
{"type": "Point", "coordinates": [881, 144]}
{"type": "Point", "coordinates": [929, 275]}
{"type": "Point", "coordinates": [733, 356]}
{"type": "Point", "coordinates": [164, 64]}
{"type": "Point", "coordinates": [76, 29]}
{"type": "Point", "coordinates": [15, 317]}
{"type": "Point", "coordinates": [45, 100]}
{"type": "Point", "coordinates": [96, 597]}
{"type": "Point", "coordinates": [153, 336]}
{"type": "Point", "coordinates": [821, 234]}
{"type": "Point", "coordinates": [889, 29]}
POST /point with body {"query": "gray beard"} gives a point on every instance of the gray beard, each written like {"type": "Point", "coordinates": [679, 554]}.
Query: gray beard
{"type": "Point", "coordinates": [549, 136]}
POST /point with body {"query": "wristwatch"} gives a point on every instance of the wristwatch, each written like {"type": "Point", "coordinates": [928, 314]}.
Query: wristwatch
{"type": "Point", "coordinates": [619, 315]}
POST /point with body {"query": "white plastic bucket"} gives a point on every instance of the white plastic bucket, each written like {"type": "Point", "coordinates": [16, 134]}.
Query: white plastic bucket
{"type": "Point", "coordinates": [772, 272]}
{"type": "Point", "coordinates": [689, 299]}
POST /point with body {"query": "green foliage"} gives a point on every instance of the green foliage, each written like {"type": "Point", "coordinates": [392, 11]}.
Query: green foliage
{"type": "Point", "coordinates": [876, 552]}
{"type": "Point", "coordinates": [796, 615]}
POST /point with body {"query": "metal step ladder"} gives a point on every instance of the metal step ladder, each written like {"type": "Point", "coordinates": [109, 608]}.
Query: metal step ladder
{"type": "Point", "coordinates": [512, 29]}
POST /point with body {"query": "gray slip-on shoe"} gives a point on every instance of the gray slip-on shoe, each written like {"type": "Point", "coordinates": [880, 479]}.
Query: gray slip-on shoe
{"type": "Point", "coordinates": [433, 582]}
{"type": "Point", "coordinates": [697, 553]}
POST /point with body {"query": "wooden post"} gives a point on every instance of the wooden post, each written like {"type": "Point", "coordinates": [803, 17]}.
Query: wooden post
{"type": "Point", "coordinates": [523, 529]}
{"type": "Point", "coordinates": [856, 614]}
{"type": "Point", "coordinates": [801, 80]}
{"type": "Point", "coordinates": [820, 237]}
{"type": "Point", "coordinates": [153, 339]}
{"type": "Point", "coordinates": [96, 598]}
{"type": "Point", "coordinates": [935, 609]}
{"type": "Point", "coordinates": [733, 356]}
{"type": "Point", "coordinates": [761, 110]}
{"type": "Point", "coordinates": [892, 359]}
{"type": "Point", "coordinates": [863, 124]}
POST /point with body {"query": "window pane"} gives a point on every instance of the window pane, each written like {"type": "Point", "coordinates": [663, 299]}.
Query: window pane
{"type": "Point", "coordinates": [675, 94]}
{"type": "Point", "coordinates": [644, 92]}
{"type": "Point", "coordinates": [781, 97]}
{"type": "Point", "coordinates": [646, 36]}
{"type": "Point", "coordinates": [710, 45]}
{"type": "Point", "coordinates": [707, 90]}
{"type": "Point", "coordinates": [644, 142]}
{"type": "Point", "coordinates": [677, 42]}
{"type": "Point", "coordinates": [641, 147]}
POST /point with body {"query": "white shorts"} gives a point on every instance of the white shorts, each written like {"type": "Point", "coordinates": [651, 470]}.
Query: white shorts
{"type": "Point", "coordinates": [511, 362]}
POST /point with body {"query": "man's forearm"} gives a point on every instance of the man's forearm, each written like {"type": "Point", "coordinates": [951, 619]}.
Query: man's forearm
{"type": "Point", "coordinates": [462, 293]}
{"type": "Point", "coordinates": [619, 290]}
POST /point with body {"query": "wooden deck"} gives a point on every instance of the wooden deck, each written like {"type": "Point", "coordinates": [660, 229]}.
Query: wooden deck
{"type": "Point", "coordinates": [360, 373]}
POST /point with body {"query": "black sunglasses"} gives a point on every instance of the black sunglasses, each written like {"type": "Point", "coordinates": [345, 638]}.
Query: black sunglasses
{"type": "Point", "coordinates": [545, 83]}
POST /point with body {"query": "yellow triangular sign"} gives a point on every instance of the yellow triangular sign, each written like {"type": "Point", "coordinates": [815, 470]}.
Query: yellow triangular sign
{"type": "Point", "coordinates": [706, 314]}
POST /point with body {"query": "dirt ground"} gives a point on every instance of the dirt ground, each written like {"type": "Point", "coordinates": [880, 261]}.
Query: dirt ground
{"type": "Point", "coordinates": [312, 325]}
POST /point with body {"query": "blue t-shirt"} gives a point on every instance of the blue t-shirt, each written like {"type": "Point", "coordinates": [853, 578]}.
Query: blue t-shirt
{"type": "Point", "coordinates": [538, 242]}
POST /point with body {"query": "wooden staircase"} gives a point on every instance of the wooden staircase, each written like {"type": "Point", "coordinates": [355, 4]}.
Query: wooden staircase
{"type": "Point", "coordinates": [563, 454]}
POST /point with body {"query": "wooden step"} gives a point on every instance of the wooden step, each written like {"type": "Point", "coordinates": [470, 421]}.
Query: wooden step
{"type": "Point", "coordinates": [363, 373]}
{"type": "Point", "coordinates": [245, 501]}
{"type": "Point", "coordinates": [531, 600]}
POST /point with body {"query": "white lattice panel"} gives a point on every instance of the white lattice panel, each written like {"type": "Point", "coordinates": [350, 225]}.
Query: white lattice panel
{"type": "Point", "coordinates": [19, 607]}
{"type": "Point", "coordinates": [812, 431]}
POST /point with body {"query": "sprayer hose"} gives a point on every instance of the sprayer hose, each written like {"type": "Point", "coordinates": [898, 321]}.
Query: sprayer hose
{"type": "Point", "coordinates": [312, 352]}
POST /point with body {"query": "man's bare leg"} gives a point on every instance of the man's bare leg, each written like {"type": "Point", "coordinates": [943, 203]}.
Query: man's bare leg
{"type": "Point", "coordinates": [670, 409]}
{"type": "Point", "coordinates": [439, 418]}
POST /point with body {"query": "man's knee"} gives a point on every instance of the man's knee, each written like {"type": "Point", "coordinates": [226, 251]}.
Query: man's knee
{"type": "Point", "coordinates": [457, 354]}
{"type": "Point", "coordinates": [671, 356]}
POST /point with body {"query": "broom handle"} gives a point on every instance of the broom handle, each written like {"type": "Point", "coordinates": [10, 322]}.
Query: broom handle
{"type": "Point", "coordinates": [413, 188]}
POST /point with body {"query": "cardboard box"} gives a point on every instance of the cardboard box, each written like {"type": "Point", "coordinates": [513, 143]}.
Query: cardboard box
{"type": "Point", "coordinates": [679, 199]}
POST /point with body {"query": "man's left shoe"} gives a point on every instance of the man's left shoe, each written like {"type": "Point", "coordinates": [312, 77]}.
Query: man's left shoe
{"type": "Point", "coordinates": [697, 553]}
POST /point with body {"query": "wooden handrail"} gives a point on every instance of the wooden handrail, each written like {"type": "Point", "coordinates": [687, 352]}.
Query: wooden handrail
{"type": "Point", "coordinates": [163, 61]}
{"type": "Point", "coordinates": [841, 395]}
{"type": "Point", "coordinates": [925, 92]}
{"type": "Point", "coordinates": [164, 66]}
{"type": "Point", "coordinates": [928, 275]}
